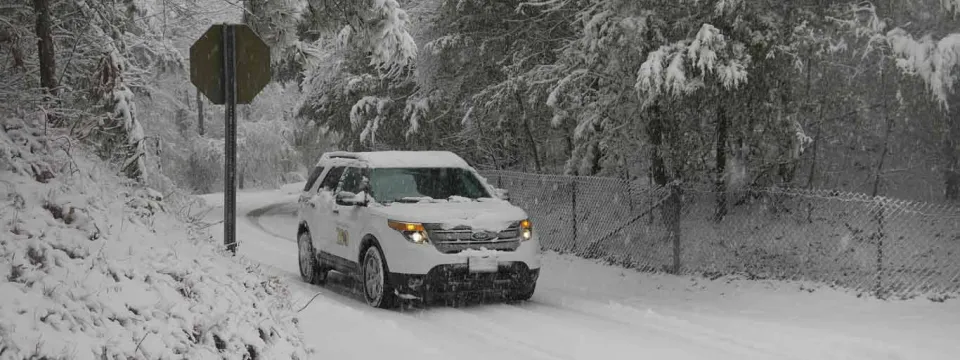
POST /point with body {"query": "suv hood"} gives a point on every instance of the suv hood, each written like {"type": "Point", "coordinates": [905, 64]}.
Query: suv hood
{"type": "Point", "coordinates": [486, 214]}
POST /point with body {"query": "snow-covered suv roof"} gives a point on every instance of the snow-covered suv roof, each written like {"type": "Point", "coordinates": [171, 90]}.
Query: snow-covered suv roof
{"type": "Point", "coordinates": [398, 159]}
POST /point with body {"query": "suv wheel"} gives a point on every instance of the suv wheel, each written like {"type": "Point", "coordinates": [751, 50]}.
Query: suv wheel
{"type": "Point", "coordinates": [374, 275]}
{"type": "Point", "coordinates": [310, 269]}
{"type": "Point", "coordinates": [523, 294]}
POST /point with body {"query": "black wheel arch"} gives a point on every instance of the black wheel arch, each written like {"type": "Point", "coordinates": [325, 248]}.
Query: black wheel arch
{"type": "Point", "coordinates": [365, 243]}
{"type": "Point", "coordinates": [302, 228]}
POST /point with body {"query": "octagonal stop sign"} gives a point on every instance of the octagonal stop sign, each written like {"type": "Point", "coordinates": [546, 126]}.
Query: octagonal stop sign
{"type": "Point", "coordinates": [252, 63]}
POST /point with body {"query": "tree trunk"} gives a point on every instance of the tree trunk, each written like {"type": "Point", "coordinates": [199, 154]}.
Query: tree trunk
{"type": "Point", "coordinates": [45, 47]}
{"type": "Point", "coordinates": [182, 117]}
{"type": "Point", "coordinates": [879, 216]}
{"type": "Point", "coordinates": [721, 183]}
{"type": "Point", "coordinates": [821, 105]}
{"type": "Point", "coordinates": [529, 132]}
{"type": "Point", "coordinates": [533, 145]}
{"type": "Point", "coordinates": [951, 148]}
{"type": "Point", "coordinates": [658, 167]}
{"type": "Point", "coordinates": [47, 55]}
{"type": "Point", "coordinates": [888, 122]}
{"type": "Point", "coordinates": [812, 177]}
{"type": "Point", "coordinates": [12, 41]}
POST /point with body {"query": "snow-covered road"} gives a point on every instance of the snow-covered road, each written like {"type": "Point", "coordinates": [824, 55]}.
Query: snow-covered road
{"type": "Point", "coordinates": [584, 310]}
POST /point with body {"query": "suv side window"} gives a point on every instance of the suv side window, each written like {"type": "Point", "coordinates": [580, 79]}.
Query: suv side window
{"type": "Point", "coordinates": [332, 179]}
{"type": "Point", "coordinates": [313, 177]}
{"type": "Point", "coordinates": [353, 179]}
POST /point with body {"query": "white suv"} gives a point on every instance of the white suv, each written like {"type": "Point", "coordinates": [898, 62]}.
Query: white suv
{"type": "Point", "coordinates": [413, 225]}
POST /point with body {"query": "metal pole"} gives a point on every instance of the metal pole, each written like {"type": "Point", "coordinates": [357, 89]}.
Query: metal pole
{"type": "Point", "coordinates": [199, 113]}
{"type": "Point", "coordinates": [573, 210]}
{"type": "Point", "coordinates": [675, 210]}
{"type": "Point", "coordinates": [230, 139]}
{"type": "Point", "coordinates": [880, 234]}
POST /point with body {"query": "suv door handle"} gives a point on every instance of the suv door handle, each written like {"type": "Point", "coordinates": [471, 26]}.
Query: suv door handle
{"type": "Point", "coordinates": [312, 204]}
{"type": "Point", "coordinates": [335, 211]}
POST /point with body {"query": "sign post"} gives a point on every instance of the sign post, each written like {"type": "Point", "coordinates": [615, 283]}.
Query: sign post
{"type": "Point", "coordinates": [230, 64]}
{"type": "Point", "coordinates": [229, 78]}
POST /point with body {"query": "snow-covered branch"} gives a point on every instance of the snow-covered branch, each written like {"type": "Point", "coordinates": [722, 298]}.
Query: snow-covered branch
{"type": "Point", "coordinates": [934, 61]}
{"type": "Point", "coordinates": [682, 68]}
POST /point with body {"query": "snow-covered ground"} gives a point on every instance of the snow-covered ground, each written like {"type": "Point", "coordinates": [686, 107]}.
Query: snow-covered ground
{"type": "Point", "coordinates": [585, 310]}
{"type": "Point", "coordinates": [96, 267]}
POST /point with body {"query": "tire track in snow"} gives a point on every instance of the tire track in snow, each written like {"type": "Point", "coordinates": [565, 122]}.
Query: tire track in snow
{"type": "Point", "coordinates": [635, 319]}
{"type": "Point", "coordinates": [622, 334]}
{"type": "Point", "coordinates": [453, 318]}
{"type": "Point", "coordinates": [830, 345]}
{"type": "Point", "coordinates": [283, 208]}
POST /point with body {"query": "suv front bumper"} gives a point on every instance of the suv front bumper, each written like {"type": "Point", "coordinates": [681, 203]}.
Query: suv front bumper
{"type": "Point", "coordinates": [455, 279]}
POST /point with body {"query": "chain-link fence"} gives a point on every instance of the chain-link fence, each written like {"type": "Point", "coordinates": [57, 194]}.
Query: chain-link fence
{"type": "Point", "coordinates": [885, 246]}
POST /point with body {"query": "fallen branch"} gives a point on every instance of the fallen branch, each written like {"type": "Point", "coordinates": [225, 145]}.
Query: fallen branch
{"type": "Point", "coordinates": [211, 224]}
{"type": "Point", "coordinates": [308, 302]}
{"type": "Point", "coordinates": [141, 341]}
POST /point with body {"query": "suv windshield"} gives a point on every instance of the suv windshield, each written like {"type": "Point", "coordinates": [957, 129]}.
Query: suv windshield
{"type": "Point", "coordinates": [389, 185]}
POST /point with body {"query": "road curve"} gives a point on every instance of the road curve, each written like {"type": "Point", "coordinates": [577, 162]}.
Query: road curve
{"type": "Point", "coordinates": [277, 212]}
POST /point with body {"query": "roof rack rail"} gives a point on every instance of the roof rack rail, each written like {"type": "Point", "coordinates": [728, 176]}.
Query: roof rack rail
{"type": "Point", "coordinates": [341, 155]}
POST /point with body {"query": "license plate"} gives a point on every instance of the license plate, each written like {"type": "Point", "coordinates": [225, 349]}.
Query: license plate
{"type": "Point", "coordinates": [484, 264]}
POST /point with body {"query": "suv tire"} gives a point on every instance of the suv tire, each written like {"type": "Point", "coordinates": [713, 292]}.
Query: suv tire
{"type": "Point", "coordinates": [374, 278]}
{"type": "Point", "coordinates": [310, 268]}
{"type": "Point", "coordinates": [523, 294]}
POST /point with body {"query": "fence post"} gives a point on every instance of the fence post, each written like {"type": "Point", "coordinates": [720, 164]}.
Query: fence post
{"type": "Point", "coordinates": [878, 290]}
{"type": "Point", "coordinates": [674, 207]}
{"type": "Point", "coordinates": [573, 212]}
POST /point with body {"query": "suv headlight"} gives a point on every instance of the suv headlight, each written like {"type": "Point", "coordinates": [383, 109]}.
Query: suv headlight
{"type": "Point", "coordinates": [413, 232]}
{"type": "Point", "coordinates": [526, 229]}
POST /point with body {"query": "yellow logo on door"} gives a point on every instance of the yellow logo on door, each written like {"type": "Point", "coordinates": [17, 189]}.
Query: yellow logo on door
{"type": "Point", "coordinates": [342, 237]}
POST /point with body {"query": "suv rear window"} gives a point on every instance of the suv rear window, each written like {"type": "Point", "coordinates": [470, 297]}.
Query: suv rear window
{"type": "Point", "coordinates": [313, 177]}
{"type": "Point", "coordinates": [332, 179]}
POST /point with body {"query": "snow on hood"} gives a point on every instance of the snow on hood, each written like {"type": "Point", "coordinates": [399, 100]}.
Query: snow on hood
{"type": "Point", "coordinates": [485, 214]}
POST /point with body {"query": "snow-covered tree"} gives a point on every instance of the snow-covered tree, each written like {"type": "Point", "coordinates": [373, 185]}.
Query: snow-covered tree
{"type": "Point", "coordinates": [121, 131]}
{"type": "Point", "coordinates": [347, 96]}
{"type": "Point", "coordinates": [921, 41]}
{"type": "Point", "coordinates": [725, 91]}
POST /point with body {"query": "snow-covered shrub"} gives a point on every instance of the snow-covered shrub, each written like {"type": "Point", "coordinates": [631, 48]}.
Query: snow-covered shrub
{"type": "Point", "coordinates": [119, 131]}
{"type": "Point", "coordinates": [94, 266]}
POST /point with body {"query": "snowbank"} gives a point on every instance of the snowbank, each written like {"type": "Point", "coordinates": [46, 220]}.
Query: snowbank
{"type": "Point", "coordinates": [94, 267]}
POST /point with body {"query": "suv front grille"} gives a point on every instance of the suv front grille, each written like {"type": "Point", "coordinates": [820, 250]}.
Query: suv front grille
{"type": "Point", "coordinates": [451, 241]}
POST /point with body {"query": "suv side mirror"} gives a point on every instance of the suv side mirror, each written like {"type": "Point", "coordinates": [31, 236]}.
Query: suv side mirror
{"type": "Point", "coordinates": [346, 198]}
{"type": "Point", "coordinates": [502, 194]}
